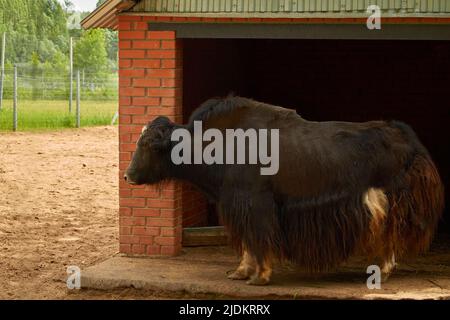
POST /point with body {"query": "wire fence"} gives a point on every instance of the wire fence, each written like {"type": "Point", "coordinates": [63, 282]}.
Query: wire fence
{"type": "Point", "coordinates": [43, 98]}
{"type": "Point", "coordinates": [52, 85]}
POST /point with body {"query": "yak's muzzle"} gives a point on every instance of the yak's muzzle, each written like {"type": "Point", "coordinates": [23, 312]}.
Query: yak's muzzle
{"type": "Point", "coordinates": [128, 178]}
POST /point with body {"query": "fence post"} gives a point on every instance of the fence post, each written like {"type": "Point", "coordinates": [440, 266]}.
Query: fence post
{"type": "Point", "coordinates": [15, 100]}
{"type": "Point", "coordinates": [78, 99]}
{"type": "Point", "coordinates": [115, 117]}
{"type": "Point", "coordinates": [71, 74]}
{"type": "Point", "coordinates": [2, 80]}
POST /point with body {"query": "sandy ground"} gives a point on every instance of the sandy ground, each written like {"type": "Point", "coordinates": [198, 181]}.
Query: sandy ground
{"type": "Point", "coordinates": [58, 207]}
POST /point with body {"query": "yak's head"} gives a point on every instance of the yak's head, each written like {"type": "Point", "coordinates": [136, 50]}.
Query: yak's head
{"type": "Point", "coordinates": [151, 160]}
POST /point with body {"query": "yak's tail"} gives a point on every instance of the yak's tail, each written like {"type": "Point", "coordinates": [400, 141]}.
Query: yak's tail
{"type": "Point", "coordinates": [416, 202]}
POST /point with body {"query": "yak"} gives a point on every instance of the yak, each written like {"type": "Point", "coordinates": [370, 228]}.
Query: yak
{"type": "Point", "coordinates": [342, 188]}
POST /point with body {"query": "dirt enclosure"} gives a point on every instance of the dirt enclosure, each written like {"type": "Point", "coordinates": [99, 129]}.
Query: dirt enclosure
{"type": "Point", "coordinates": [59, 207]}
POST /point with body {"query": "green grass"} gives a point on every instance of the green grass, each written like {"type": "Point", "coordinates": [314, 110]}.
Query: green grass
{"type": "Point", "coordinates": [54, 114]}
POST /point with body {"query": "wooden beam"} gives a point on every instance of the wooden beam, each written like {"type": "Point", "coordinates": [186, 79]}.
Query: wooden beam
{"type": "Point", "coordinates": [303, 31]}
{"type": "Point", "coordinates": [106, 12]}
{"type": "Point", "coordinates": [206, 236]}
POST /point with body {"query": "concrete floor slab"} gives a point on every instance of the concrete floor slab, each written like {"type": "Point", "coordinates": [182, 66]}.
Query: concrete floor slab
{"type": "Point", "coordinates": [203, 271]}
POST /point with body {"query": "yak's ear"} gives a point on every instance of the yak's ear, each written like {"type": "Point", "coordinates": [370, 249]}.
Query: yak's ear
{"type": "Point", "coordinates": [161, 131]}
{"type": "Point", "coordinates": [160, 121]}
{"type": "Point", "coordinates": [162, 138]}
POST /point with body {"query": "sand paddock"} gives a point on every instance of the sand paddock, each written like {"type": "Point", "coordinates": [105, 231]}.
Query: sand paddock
{"type": "Point", "coordinates": [58, 207]}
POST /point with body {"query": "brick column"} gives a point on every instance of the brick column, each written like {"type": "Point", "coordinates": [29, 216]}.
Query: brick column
{"type": "Point", "coordinates": [150, 71]}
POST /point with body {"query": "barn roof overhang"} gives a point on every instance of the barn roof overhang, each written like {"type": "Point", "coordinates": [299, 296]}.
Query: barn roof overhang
{"type": "Point", "coordinates": [105, 16]}
{"type": "Point", "coordinates": [409, 12]}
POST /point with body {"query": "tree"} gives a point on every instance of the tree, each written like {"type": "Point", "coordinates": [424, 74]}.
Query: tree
{"type": "Point", "coordinates": [34, 74]}
{"type": "Point", "coordinates": [38, 35]}
{"type": "Point", "coordinates": [112, 42]}
{"type": "Point", "coordinates": [100, 2]}
{"type": "Point", "coordinates": [90, 52]}
{"type": "Point", "coordinates": [68, 6]}
{"type": "Point", "coordinates": [28, 23]}
{"type": "Point", "coordinates": [60, 63]}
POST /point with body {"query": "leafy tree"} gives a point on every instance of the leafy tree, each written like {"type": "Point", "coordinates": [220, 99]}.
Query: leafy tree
{"type": "Point", "coordinates": [34, 72]}
{"type": "Point", "coordinates": [27, 23]}
{"type": "Point", "coordinates": [100, 2]}
{"type": "Point", "coordinates": [38, 35]}
{"type": "Point", "coordinates": [59, 63]}
{"type": "Point", "coordinates": [112, 47]}
{"type": "Point", "coordinates": [90, 52]}
{"type": "Point", "coordinates": [68, 6]}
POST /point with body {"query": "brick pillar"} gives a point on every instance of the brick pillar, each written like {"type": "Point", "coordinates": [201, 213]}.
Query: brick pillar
{"type": "Point", "coordinates": [150, 85]}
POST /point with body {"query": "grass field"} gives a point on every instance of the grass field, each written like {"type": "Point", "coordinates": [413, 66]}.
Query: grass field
{"type": "Point", "coordinates": [51, 114]}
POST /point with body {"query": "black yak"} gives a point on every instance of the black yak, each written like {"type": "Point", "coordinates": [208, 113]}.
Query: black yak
{"type": "Point", "coordinates": [342, 188]}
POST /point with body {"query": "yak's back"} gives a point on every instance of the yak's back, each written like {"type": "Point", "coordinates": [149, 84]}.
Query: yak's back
{"type": "Point", "coordinates": [238, 112]}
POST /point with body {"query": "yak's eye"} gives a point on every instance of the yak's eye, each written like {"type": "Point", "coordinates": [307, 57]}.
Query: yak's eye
{"type": "Point", "coordinates": [142, 141]}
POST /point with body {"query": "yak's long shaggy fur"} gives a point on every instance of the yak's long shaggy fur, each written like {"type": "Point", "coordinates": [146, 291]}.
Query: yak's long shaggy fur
{"type": "Point", "coordinates": [312, 212]}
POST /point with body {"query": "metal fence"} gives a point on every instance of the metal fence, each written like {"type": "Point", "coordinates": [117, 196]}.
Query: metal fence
{"type": "Point", "coordinates": [56, 85]}
{"type": "Point", "coordinates": [39, 99]}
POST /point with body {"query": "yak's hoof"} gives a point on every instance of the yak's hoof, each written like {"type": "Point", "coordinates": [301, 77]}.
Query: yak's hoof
{"type": "Point", "coordinates": [387, 273]}
{"type": "Point", "coordinates": [238, 275]}
{"type": "Point", "coordinates": [385, 277]}
{"type": "Point", "coordinates": [258, 281]}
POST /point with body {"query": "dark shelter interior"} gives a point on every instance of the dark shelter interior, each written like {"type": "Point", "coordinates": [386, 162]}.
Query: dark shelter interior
{"type": "Point", "coordinates": [346, 80]}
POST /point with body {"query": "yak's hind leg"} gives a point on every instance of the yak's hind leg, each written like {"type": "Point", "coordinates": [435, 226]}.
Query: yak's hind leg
{"type": "Point", "coordinates": [387, 267]}
{"type": "Point", "coordinates": [246, 268]}
{"type": "Point", "coordinates": [378, 205]}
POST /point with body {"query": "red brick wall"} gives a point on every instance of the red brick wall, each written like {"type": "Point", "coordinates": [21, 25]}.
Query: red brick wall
{"type": "Point", "coordinates": [150, 70]}
{"type": "Point", "coordinates": [194, 208]}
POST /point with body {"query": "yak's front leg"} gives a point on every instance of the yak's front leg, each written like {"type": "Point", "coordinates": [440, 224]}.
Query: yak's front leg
{"type": "Point", "coordinates": [246, 268]}
{"type": "Point", "coordinates": [250, 216]}
{"type": "Point", "coordinates": [262, 274]}
{"type": "Point", "coordinates": [264, 236]}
